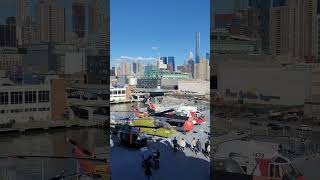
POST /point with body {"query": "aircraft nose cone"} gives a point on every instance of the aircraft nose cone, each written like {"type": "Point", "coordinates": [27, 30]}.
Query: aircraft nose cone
{"type": "Point", "coordinates": [188, 126]}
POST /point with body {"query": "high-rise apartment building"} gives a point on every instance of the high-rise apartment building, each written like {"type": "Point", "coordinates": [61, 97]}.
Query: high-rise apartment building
{"type": "Point", "coordinates": [125, 69]}
{"type": "Point", "coordinates": [202, 70]}
{"type": "Point", "coordinates": [96, 16]}
{"type": "Point", "coordinates": [164, 59]}
{"type": "Point", "coordinates": [134, 67]}
{"type": "Point", "coordinates": [279, 39]}
{"type": "Point", "coordinates": [261, 8]}
{"type": "Point", "coordinates": [23, 21]}
{"type": "Point", "coordinates": [197, 47]}
{"type": "Point", "coordinates": [8, 33]}
{"type": "Point", "coordinates": [191, 65]}
{"type": "Point", "coordinates": [161, 64]}
{"type": "Point", "coordinates": [51, 21]}
{"type": "Point", "coordinates": [79, 18]}
{"type": "Point", "coordinates": [171, 64]}
{"type": "Point", "coordinates": [303, 29]}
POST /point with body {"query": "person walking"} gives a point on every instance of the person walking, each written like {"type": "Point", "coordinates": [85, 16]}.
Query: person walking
{"type": "Point", "coordinates": [199, 148]}
{"type": "Point", "coordinates": [156, 159]}
{"type": "Point", "coordinates": [182, 144]}
{"type": "Point", "coordinates": [206, 147]}
{"type": "Point", "coordinates": [175, 144]}
{"type": "Point", "coordinates": [147, 168]}
{"type": "Point", "coordinates": [193, 145]}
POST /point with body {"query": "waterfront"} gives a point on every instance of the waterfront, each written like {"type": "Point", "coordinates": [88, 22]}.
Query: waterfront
{"type": "Point", "coordinates": [51, 144]}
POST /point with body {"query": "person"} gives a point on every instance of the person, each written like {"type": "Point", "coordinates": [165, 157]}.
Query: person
{"type": "Point", "coordinates": [193, 145]}
{"type": "Point", "coordinates": [147, 167]}
{"type": "Point", "coordinates": [175, 144]}
{"type": "Point", "coordinates": [206, 147]}
{"type": "Point", "coordinates": [156, 159]}
{"type": "Point", "coordinates": [182, 144]}
{"type": "Point", "coordinates": [198, 144]}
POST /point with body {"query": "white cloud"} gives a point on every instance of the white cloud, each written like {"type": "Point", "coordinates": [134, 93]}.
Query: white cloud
{"type": "Point", "coordinates": [139, 58]}
{"type": "Point", "coordinates": [155, 48]}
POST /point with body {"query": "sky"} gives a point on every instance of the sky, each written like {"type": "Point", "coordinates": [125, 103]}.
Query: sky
{"type": "Point", "coordinates": [147, 29]}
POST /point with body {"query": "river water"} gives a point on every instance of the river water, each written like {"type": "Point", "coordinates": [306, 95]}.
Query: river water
{"type": "Point", "coordinates": [51, 144]}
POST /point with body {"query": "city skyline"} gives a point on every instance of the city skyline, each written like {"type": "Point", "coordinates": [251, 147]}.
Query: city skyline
{"type": "Point", "coordinates": [9, 10]}
{"type": "Point", "coordinates": [158, 34]}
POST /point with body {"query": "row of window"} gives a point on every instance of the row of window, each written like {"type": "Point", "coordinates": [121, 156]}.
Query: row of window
{"type": "Point", "coordinates": [25, 110]}
{"type": "Point", "coordinates": [29, 97]}
{"type": "Point", "coordinates": [118, 92]}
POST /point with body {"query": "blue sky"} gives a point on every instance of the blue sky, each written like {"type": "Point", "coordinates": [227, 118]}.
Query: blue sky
{"type": "Point", "coordinates": [153, 28]}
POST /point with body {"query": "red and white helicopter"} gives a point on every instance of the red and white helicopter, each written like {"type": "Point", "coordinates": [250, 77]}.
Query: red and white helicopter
{"type": "Point", "coordinates": [261, 160]}
{"type": "Point", "coordinates": [178, 113]}
{"type": "Point", "coordinates": [181, 123]}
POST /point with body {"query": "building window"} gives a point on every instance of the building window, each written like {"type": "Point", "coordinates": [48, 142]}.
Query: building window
{"type": "Point", "coordinates": [43, 96]}
{"type": "Point", "coordinates": [16, 110]}
{"type": "Point", "coordinates": [16, 97]}
{"type": "Point", "coordinates": [30, 97]}
{"type": "Point", "coordinates": [4, 98]}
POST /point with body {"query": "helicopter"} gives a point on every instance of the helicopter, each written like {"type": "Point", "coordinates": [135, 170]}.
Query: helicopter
{"type": "Point", "coordinates": [257, 159]}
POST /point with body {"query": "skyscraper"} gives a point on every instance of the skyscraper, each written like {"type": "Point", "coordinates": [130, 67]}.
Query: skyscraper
{"type": "Point", "coordinates": [190, 55]}
{"type": "Point", "coordinates": [171, 64]}
{"type": "Point", "coordinates": [164, 59]}
{"type": "Point", "coordinates": [197, 47]}
{"type": "Point", "coordinates": [23, 18]}
{"type": "Point", "coordinates": [302, 28]}
{"type": "Point", "coordinates": [8, 33]}
{"type": "Point", "coordinates": [203, 70]}
{"type": "Point", "coordinates": [134, 67]}
{"type": "Point", "coordinates": [125, 68]}
{"type": "Point", "coordinates": [78, 18]}
{"type": "Point", "coordinates": [279, 18]}
{"type": "Point", "coordinates": [207, 56]}
{"type": "Point", "coordinates": [96, 17]}
{"type": "Point", "coordinates": [261, 8]}
{"type": "Point", "coordinates": [191, 64]}
{"type": "Point", "coordinates": [51, 21]}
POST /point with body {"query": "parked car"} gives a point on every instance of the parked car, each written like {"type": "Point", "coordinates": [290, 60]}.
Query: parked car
{"type": "Point", "coordinates": [304, 128]}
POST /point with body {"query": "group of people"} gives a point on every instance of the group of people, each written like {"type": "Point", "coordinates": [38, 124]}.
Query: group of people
{"type": "Point", "coordinates": [195, 146]}
{"type": "Point", "coordinates": [147, 163]}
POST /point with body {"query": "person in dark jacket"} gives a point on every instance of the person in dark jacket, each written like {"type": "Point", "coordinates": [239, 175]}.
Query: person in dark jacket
{"type": "Point", "coordinates": [156, 159]}
{"type": "Point", "coordinates": [198, 146]}
{"type": "Point", "coordinates": [206, 147]}
{"type": "Point", "coordinates": [147, 167]}
{"type": "Point", "coordinates": [175, 144]}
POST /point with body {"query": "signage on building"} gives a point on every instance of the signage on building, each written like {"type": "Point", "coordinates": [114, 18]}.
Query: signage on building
{"type": "Point", "coordinates": [249, 95]}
